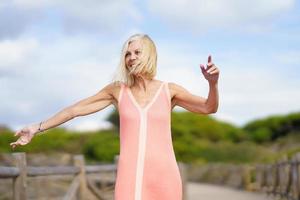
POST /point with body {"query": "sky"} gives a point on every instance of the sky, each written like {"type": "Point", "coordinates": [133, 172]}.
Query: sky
{"type": "Point", "coordinates": [55, 53]}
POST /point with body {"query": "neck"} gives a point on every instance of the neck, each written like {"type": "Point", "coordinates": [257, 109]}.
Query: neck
{"type": "Point", "coordinates": [142, 82]}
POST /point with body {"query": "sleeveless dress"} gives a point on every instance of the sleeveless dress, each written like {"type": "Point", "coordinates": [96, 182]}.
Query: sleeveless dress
{"type": "Point", "coordinates": [147, 167]}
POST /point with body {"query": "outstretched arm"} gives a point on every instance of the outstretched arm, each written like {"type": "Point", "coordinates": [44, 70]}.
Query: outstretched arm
{"type": "Point", "coordinates": [198, 104]}
{"type": "Point", "coordinates": [86, 106]}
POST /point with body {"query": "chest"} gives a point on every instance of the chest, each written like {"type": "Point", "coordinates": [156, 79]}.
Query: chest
{"type": "Point", "coordinates": [142, 98]}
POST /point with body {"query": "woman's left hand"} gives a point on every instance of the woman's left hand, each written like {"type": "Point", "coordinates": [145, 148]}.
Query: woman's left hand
{"type": "Point", "coordinates": [211, 73]}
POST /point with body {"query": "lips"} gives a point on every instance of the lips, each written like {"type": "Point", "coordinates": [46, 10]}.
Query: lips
{"type": "Point", "coordinates": [131, 63]}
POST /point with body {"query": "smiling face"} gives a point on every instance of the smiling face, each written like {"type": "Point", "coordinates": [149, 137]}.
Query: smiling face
{"type": "Point", "coordinates": [133, 53]}
{"type": "Point", "coordinates": [138, 59]}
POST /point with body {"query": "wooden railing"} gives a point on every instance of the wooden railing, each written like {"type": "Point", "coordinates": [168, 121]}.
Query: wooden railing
{"type": "Point", "coordinates": [80, 185]}
{"type": "Point", "coordinates": [281, 179]}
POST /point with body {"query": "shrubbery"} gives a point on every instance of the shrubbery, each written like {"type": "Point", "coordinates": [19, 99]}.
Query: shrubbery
{"type": "Point", "coordinates": [196, 138]}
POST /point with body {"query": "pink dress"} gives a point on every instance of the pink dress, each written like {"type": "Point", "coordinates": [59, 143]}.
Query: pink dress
{"type": "Point", "coordinates": [147, 167]}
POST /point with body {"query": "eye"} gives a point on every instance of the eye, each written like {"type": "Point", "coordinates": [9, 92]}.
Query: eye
{"type": "Point", "coordinates": [127, 54]}
{"type": "Point", "coordinates": [137, 52]}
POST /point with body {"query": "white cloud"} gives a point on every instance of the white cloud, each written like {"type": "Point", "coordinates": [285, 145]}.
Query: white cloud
{"type": "Point", "coordinates": [14, 52]}
{"type": "Point", "coordinates": [97, 15]}
{"type": "Point", "coordinates": [200, 15]}
{"type": "Point", "coordinates": [63, 72]}
{"type": "Point", "coordinates": [290, 57]}
{"type": "Point", "coordinates": [183, 68]}
{"type": "Point", "coordinates": [255, 90]}
{"type": "Point", "coordinates": [67, 70]}
{"type": "Point", "coordinates": [30, 4]}
{"type": "Point", "coordinates": [247, 89]}
{"type": "Point", "coordinates": [88, 125]}
{"type": "Point", "coordinates": [74, 15]}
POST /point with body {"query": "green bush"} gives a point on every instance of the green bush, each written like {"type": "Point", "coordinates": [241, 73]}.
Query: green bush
{"type": "Point", "coordinates": [273, 127]}
{"type": "Point", "coordinates": [196, 138]}
{"type": "Point", "coordinates": [102, 146]}
{"type": "Point", "coordinates": [204, 151]}
{"type": "Point", "coordinates": [190, 126]}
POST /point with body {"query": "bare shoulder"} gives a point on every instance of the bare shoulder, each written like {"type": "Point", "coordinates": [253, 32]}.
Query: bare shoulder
{"type": "Point", "coordinates": [175, 89]}
{"type": "Point", "coordinates": [112, 86]}
{"type": "Point", "coordinates": [113, 89]}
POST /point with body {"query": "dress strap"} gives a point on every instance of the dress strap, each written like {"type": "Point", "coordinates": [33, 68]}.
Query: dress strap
{"type": "Point", "coordinates": [120, 93]}
{"type": "Point", "coordinates": [167, 90]}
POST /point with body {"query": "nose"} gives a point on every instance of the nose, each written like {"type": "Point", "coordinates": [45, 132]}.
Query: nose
{"type": "Point", "coordinates": [132, 56]}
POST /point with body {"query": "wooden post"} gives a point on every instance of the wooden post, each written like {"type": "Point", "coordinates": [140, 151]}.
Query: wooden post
{"type": "Point", "coordinates": [258, 177]}
{"type": "Point", "coordinates": [79, 162]}
{"type": "Point", "coordinates": [283, 175]}
{"type": "Point", "coordinates": [270, 178]}
{"type": "Point", "coordinates": [296, 177]}
{"type": "Point", "coordinates": [246, 177]}
{"type": "Point", "coordinates": [298, 174]}
{"type": "Point", "coordinates": [20, 183]}
{"type": "Point", "coordinates": [183, 172]}
{"type": "Point", "coordinates": [276, 183]}
{"type": "Point", "coordinates": [265, 177]}
{"type": "Point", "coordinates": [261, 177]}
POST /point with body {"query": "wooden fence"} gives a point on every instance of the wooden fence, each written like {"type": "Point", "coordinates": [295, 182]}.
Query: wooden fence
{"type": "Point", "coordinates": [80, 185]}
{"type": "Point", "coordinates": [280, 179]}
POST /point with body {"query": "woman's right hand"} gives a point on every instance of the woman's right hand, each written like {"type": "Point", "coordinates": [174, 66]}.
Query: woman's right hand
{"type": "Point", "coordinates": [26, 134]}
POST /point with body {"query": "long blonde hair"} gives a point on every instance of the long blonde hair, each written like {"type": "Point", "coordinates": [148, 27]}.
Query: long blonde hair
{"type": "Point", "coordinates": [146, 65]}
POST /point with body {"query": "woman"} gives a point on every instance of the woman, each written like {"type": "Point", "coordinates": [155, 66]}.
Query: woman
{"type": "Point", "coordinates": [147, 167]}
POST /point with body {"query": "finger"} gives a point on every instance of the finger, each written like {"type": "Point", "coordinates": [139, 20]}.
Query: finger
{"type": "Point", "coordinates": [22, 142]}
{"type": "Point", "coordinates": [203, 68]}
{"type": "Point", "coordinates": [212, 68]}
{"type": "Point", "coordinates": [209, 66]}
{"type": "Point", "coordinates": [214, 72]}
{"type": "Point", "coordinates": [211, 72]}
{"type": "Point", "coordinates": [13, 144]}
{"type": "Point", "coordinates": [18, 133]}
{"type": "Point", "coordinates": [209, 59]}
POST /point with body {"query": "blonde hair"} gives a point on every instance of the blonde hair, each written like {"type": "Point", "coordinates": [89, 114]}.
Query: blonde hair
{"type": "Point", "coordinates": [145, 66]}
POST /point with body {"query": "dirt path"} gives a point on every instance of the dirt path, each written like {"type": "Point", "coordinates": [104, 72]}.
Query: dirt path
{"type": "Point", "coordinates": [198, 191]}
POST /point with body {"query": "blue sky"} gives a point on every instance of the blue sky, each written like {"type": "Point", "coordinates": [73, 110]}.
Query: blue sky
{"type": "Point", "coordinates": [55, 53]}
